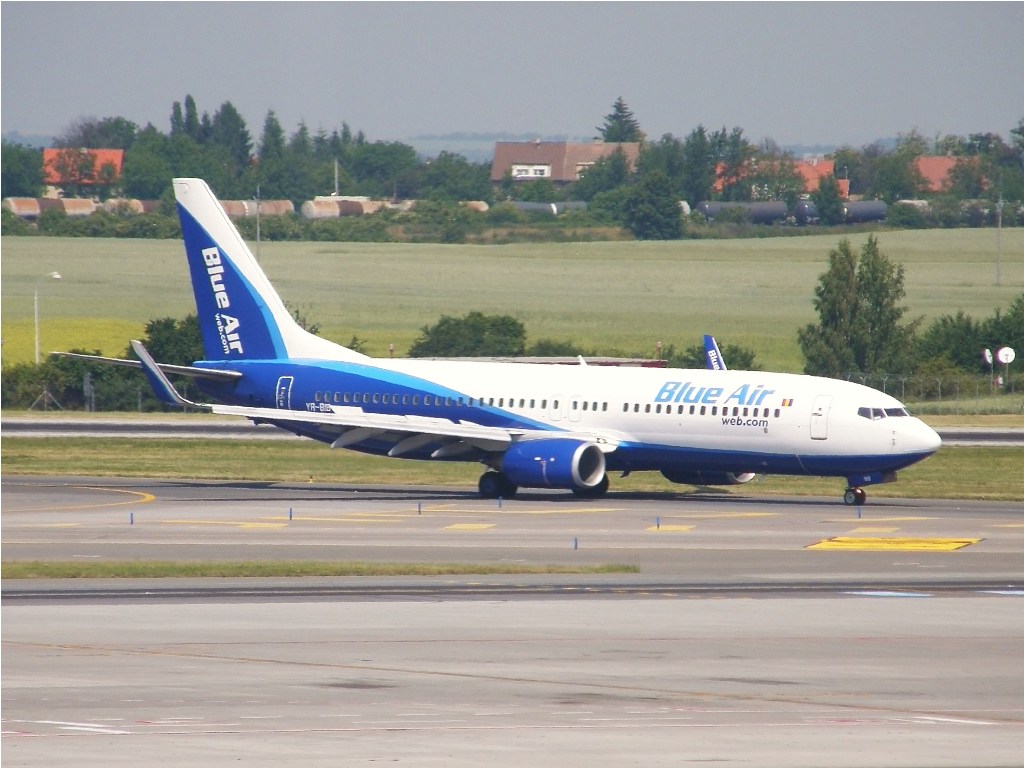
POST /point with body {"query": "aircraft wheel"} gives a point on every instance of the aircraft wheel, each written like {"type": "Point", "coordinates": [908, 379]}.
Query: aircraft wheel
{"type": "Point", "coordinates": [493, 485]}
{"type": "Point", "coordinates": [596, 492]}
{"type": "Point", "coordinates": [854, 497]}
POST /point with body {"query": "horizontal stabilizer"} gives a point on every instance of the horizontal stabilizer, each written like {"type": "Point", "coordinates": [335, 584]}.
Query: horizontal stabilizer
{"type": "Point", "coordinates": [194, 372]}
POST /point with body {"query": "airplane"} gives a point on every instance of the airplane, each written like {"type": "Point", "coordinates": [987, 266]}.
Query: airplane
{"type": "Point", "coordinates": [530, 425]}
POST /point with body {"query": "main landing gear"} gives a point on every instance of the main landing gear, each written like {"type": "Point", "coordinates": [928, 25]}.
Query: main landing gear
{"type": "Point", "coordinates": [494, 485]}
{"type": "Point", "coordinates": [854, 497]}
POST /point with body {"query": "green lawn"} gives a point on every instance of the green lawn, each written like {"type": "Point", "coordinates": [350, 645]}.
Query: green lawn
{"type": "Point", "coordinates": [616, 297]}
{"type": "Point", "coordinates": [954, 472]}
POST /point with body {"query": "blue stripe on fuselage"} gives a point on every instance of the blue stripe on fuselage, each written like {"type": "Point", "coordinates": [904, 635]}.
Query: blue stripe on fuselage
{"type": "Point", "coordinates": [644, 456]}
{"type": "Point", "coordinates": [258, 388]}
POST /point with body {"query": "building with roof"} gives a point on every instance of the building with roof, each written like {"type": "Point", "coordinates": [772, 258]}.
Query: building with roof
{"type": "Point", "coordinates": [560, 162]}
{"type": "Point", "coordinates": [935, 170]}
{"type": "Point", "coordinates": [78, 169]}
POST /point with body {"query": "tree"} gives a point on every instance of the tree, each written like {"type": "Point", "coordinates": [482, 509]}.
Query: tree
{"type": "Point", "coordinates": [652, 209]}
{"type": "Point", "coordinates": [473, 335]}
{"type": "Point", "coordinates": [827, 201]}
{"type": "Point", "coordinates": [450, 177]}
{"type": "Point", "coordinates": [606, 174]}
{"type": "Point", "coordinates": [734, 154]}
{"type": "Point", "coordinates": [737, 357]}
{"type": "Point", "coordinates": [895, 177]}
{"type": "Point", "coordinates": [176, 342]}
{"type": "Point", "coordinates": [698, 175]}
{"type": "Point", "coordinates": [383, 168]}
{"type": "Point", "coordinates": [90, 133]}
{"type": "Point", "coordinates": [76, 170]}
{"type": "Point", "coordinates": [620, 125]}
{"type": "Point", "coordinates": [773, 175]}
{"type": "Point", "coordinates": [954, 339]}
{"type": "Point", "coordinates": [228, 130]}
{"type": "Point", "coordinates": [21, 170]}
{"type": "Point", "coordinates": [667, 156]}
{"type": "Point", "coordinates": [859, 329]}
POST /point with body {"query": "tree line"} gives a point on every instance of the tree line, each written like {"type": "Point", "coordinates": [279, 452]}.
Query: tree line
{"type": "Point", "coordinates": [219, 148]}
{"type": "Point", "coordinates": [862, 331]}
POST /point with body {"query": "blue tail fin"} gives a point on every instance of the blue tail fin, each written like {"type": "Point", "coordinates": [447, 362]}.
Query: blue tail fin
{"type": "Point", "coordinates": [241, 317]}
{"type": "Point", "coordinates": [713, 359]}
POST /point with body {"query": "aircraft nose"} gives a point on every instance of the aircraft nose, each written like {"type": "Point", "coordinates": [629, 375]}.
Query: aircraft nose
{"type": "Point", "coordinates": [926, 439]}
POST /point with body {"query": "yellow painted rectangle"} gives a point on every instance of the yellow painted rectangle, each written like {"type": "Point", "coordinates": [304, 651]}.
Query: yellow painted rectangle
{"type": "Point", "coordinates": [726, 515]}
{"type": "Point", "coordinates": [360, 520]}
{"type": "Point", "coordinates": [671, 528]}
{"type": "Point", "coordinates": [893, 544]}
{"type": "Point", "coordinates": [469, 527]}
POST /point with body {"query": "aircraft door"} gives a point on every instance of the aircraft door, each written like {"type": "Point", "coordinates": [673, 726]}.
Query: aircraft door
{"type": "Point", "coordinates": [574, 407]}
{"type": "Point", "coordinates": [284, 392]}
{"type": "Point", "coordinates": [819, 417]}
{"type": "Point", "coordinates": [555, 412]}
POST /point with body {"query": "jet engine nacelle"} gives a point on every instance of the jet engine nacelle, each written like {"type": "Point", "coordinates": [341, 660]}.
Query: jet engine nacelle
{"type": "Point", "coordinates": [554, 463]}
{"type": "Point", "coordinates": [698, 477]}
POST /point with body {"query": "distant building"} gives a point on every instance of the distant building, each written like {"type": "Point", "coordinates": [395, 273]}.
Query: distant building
{"type": "Point", "coordinates": [813, 171]}
{"type": "Point", "coordinates": [77, 169]}
{"type": "Point", "coordinates": [560, 162]}
{"type": "Point", "coordinates": [935, 170]}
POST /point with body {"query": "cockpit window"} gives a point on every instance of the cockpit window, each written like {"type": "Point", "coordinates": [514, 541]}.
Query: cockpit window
{"type": "Point", "coordinates": [874, 414]}
{"type": "Point", "coordinates": [896, 412]}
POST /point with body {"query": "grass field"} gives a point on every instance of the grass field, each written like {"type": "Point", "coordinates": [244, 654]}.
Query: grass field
{"type": "Point", "coordinates": [621, 297]}
{"type": "Point", "coordinates": [954, 472]}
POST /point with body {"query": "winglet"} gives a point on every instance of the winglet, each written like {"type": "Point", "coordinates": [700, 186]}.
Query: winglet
{"type": "Point", "coordinates": [713, 359]}
{"type": "Point", "coordinates": [158, 380]}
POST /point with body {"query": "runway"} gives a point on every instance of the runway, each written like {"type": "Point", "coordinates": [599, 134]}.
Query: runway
{"type": "Point", "coordinates": [767, 632]}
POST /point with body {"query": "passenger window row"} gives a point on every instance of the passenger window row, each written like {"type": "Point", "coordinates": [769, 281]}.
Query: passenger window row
{"type": "Point", "coordinates": [377, 398]}
{"type": "Point", "coordinates": [702, 410]}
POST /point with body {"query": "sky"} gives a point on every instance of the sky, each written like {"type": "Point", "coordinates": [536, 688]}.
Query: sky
{"type": "Point", "coordinates": [797, 73]}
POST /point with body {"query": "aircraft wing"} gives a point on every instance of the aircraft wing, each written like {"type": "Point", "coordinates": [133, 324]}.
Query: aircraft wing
{"type": "Point", "coordinates": [408, 432]}
{"type": "Point", "coordinates": [354, 425]}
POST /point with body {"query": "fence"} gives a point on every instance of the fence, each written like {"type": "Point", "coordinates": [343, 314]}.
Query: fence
{"type": "Point", "coordinates": [957, 394]}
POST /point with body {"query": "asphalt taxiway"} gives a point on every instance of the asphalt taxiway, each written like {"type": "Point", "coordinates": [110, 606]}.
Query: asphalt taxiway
{"type": "Point", "coordinates": [758, 631]}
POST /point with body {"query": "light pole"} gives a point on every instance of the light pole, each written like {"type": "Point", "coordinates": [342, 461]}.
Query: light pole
{"type": "Point", "coordinates": [999, 232]}
{"type": "Point", "coordinates": [35, 306]}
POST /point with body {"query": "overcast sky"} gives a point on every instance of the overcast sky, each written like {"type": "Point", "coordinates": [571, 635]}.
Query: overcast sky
{"type": "Point", "coordinates": [799, 73]}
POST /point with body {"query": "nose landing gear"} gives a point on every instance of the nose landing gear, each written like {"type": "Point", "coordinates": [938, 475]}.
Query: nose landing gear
{"type": "Point", "coordinates": [854, 497]}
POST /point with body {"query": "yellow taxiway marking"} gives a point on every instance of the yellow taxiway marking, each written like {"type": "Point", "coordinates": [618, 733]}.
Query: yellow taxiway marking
{"type": "Point", "coordinates": [877, 529]}
{"type": "Point", "coordinates": [513, 511]}
{"type": "Point", "coordinates": [143, 498]}
{"type": "Point", "coordinates": [469, 527]}
{"type": "Point", "coordinates": [230, 523]}
{"type": "Point", "coordinates": [876, 519]}
{"type": "Point", "coordinates": [671, 528]}
{"type": "Point", "coordinates": [726, 515]}
{"type": "Point", "coordinates": [366, 519]}
{"type": "Point", "coordinates": [893, 544]}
